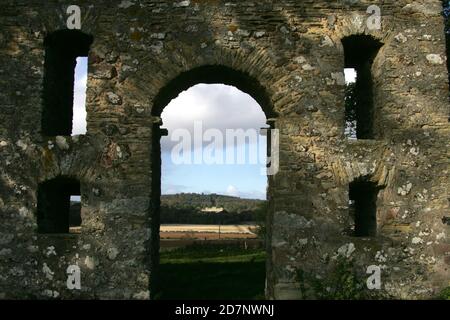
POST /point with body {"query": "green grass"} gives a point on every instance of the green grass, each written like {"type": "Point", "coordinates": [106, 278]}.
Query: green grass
{"type": "Point", "coordinates": [212, 272]}
{"type": "Point", "coordinates": [444, 295]}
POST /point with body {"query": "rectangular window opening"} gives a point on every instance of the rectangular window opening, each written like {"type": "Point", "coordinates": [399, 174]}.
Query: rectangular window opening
{"type": "Point", "coordinates": [363, 207]}
{"type": "Point", "coordinates": [65, 74]}
{"type": "Point", "coordinates": [360, 52]}
{"type": "Point", "coordinates": [59, 206]}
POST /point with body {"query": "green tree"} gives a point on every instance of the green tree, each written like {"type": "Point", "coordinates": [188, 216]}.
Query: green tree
{"type": "Point", "coordinates": [260, 215]}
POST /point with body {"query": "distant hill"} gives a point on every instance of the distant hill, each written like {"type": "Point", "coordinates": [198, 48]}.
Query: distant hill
{"type": "Point", "coordinates": [189, 208]}
{"type": "Point", "coordinates": [202, 201]}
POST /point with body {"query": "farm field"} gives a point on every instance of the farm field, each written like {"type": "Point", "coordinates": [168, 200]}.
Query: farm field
{"type": "Point", "coordinates": [207, 232]}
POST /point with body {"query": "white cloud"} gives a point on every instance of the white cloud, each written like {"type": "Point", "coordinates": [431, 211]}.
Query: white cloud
{"type": "Point", "coordinates": [232, 191]}
{"type": "Point", "coordinates": [75, 198]}
{"type": "Point", "coordinates": [79, 97]}
{"type": "Point", "coordinates": [218, 106]}
{"type": "Point", "coordinates": [350, 75]}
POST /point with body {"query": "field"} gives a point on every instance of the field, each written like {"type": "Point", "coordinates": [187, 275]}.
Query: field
{"type": "Point", "coordinates": [207, 232]}
{"type": "Point", "coordinates": [212, 272]}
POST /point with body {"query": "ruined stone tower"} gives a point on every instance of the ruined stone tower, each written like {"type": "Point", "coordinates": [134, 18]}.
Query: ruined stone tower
{"type": "Point", "coordinates": [289, 55]}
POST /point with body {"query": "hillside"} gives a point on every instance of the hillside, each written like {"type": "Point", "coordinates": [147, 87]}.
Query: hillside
{"type": "Point", "coordinates": [201, 201]}
{"type": "Point", "coordinates": [187, 208]}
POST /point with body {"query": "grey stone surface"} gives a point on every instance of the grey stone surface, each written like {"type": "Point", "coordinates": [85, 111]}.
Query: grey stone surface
{"type": "Point", "coordinates": [292, 50]}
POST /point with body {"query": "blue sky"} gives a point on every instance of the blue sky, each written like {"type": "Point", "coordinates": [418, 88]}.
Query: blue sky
{"type": "Point", "coordinates": [216, 106]}
{"type": "Point", "coordinates": [79, 99]}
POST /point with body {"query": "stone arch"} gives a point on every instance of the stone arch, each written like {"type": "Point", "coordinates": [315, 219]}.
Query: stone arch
{"type": "Point", "coordinates": [354, 25]}
{"type": "Point", "coordinates": [180, 61]}
{"type": "Point", "coordinates": [68, 156]}
{"type": "Point", "coordinates": [209, 74]}
{"type": "Point", "coordinates": [213, 74]}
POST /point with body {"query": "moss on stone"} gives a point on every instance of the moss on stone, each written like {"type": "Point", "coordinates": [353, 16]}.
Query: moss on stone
{"type": "Point", "coordinates": [342, 282]}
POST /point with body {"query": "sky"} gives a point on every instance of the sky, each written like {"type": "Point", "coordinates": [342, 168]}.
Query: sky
{"type": "Point", "coordinates": [350, 75]}
{"type": "Point", "coordinates": [79, 97]}
{"type": "Point", "coordinates": [218, 107]}
{"type": "Point", "coordinates": [213, 106]}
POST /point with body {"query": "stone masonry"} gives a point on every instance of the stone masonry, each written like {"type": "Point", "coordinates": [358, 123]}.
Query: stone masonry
{"type": "Point", "coordinates": [288, 55]}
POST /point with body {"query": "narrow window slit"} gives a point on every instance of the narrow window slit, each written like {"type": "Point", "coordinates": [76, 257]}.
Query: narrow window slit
{"type": "Point", "coordinates": [62, 48]}
{"type": "Point", "coordinates": [363, 207]}
{"type": "Point", "coordinates": [360, 52]}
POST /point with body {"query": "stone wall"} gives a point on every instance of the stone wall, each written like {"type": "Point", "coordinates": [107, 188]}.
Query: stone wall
{"type": "Point", "coordinates": [288, 55]}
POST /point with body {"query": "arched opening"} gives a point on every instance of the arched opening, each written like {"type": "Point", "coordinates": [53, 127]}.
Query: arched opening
{"type": "Point", "coordinates": [59, 206]}
{"type": "Point", "coordinates": [213, 74]}
{"type": "Point", "coordinates": [63, 49]}
{"type": "Point", "coordinates": [205, 241]}
{"type": "Point", "coordinates": [360, 52]}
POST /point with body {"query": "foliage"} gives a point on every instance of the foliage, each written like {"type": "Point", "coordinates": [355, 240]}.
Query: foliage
{"type": "Point", "coordinates": [446, 4]}
{"type": "Point", "coordinates": [260, 217]}
{"type": "Point", "coordinates": [200, 201]}
{"type": "Point", "coordinates": [343, 283]}
{"type": "Point", "coordinates": [186, 209]}
{"type": "Point", "coordinates": [444, 294]}
{"type": "Point", "coordinates": [230, 252]}
{"type": "Point", "coordinates": [194, 216]}
{"type": "Point", "coordinates": [350, 110]}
